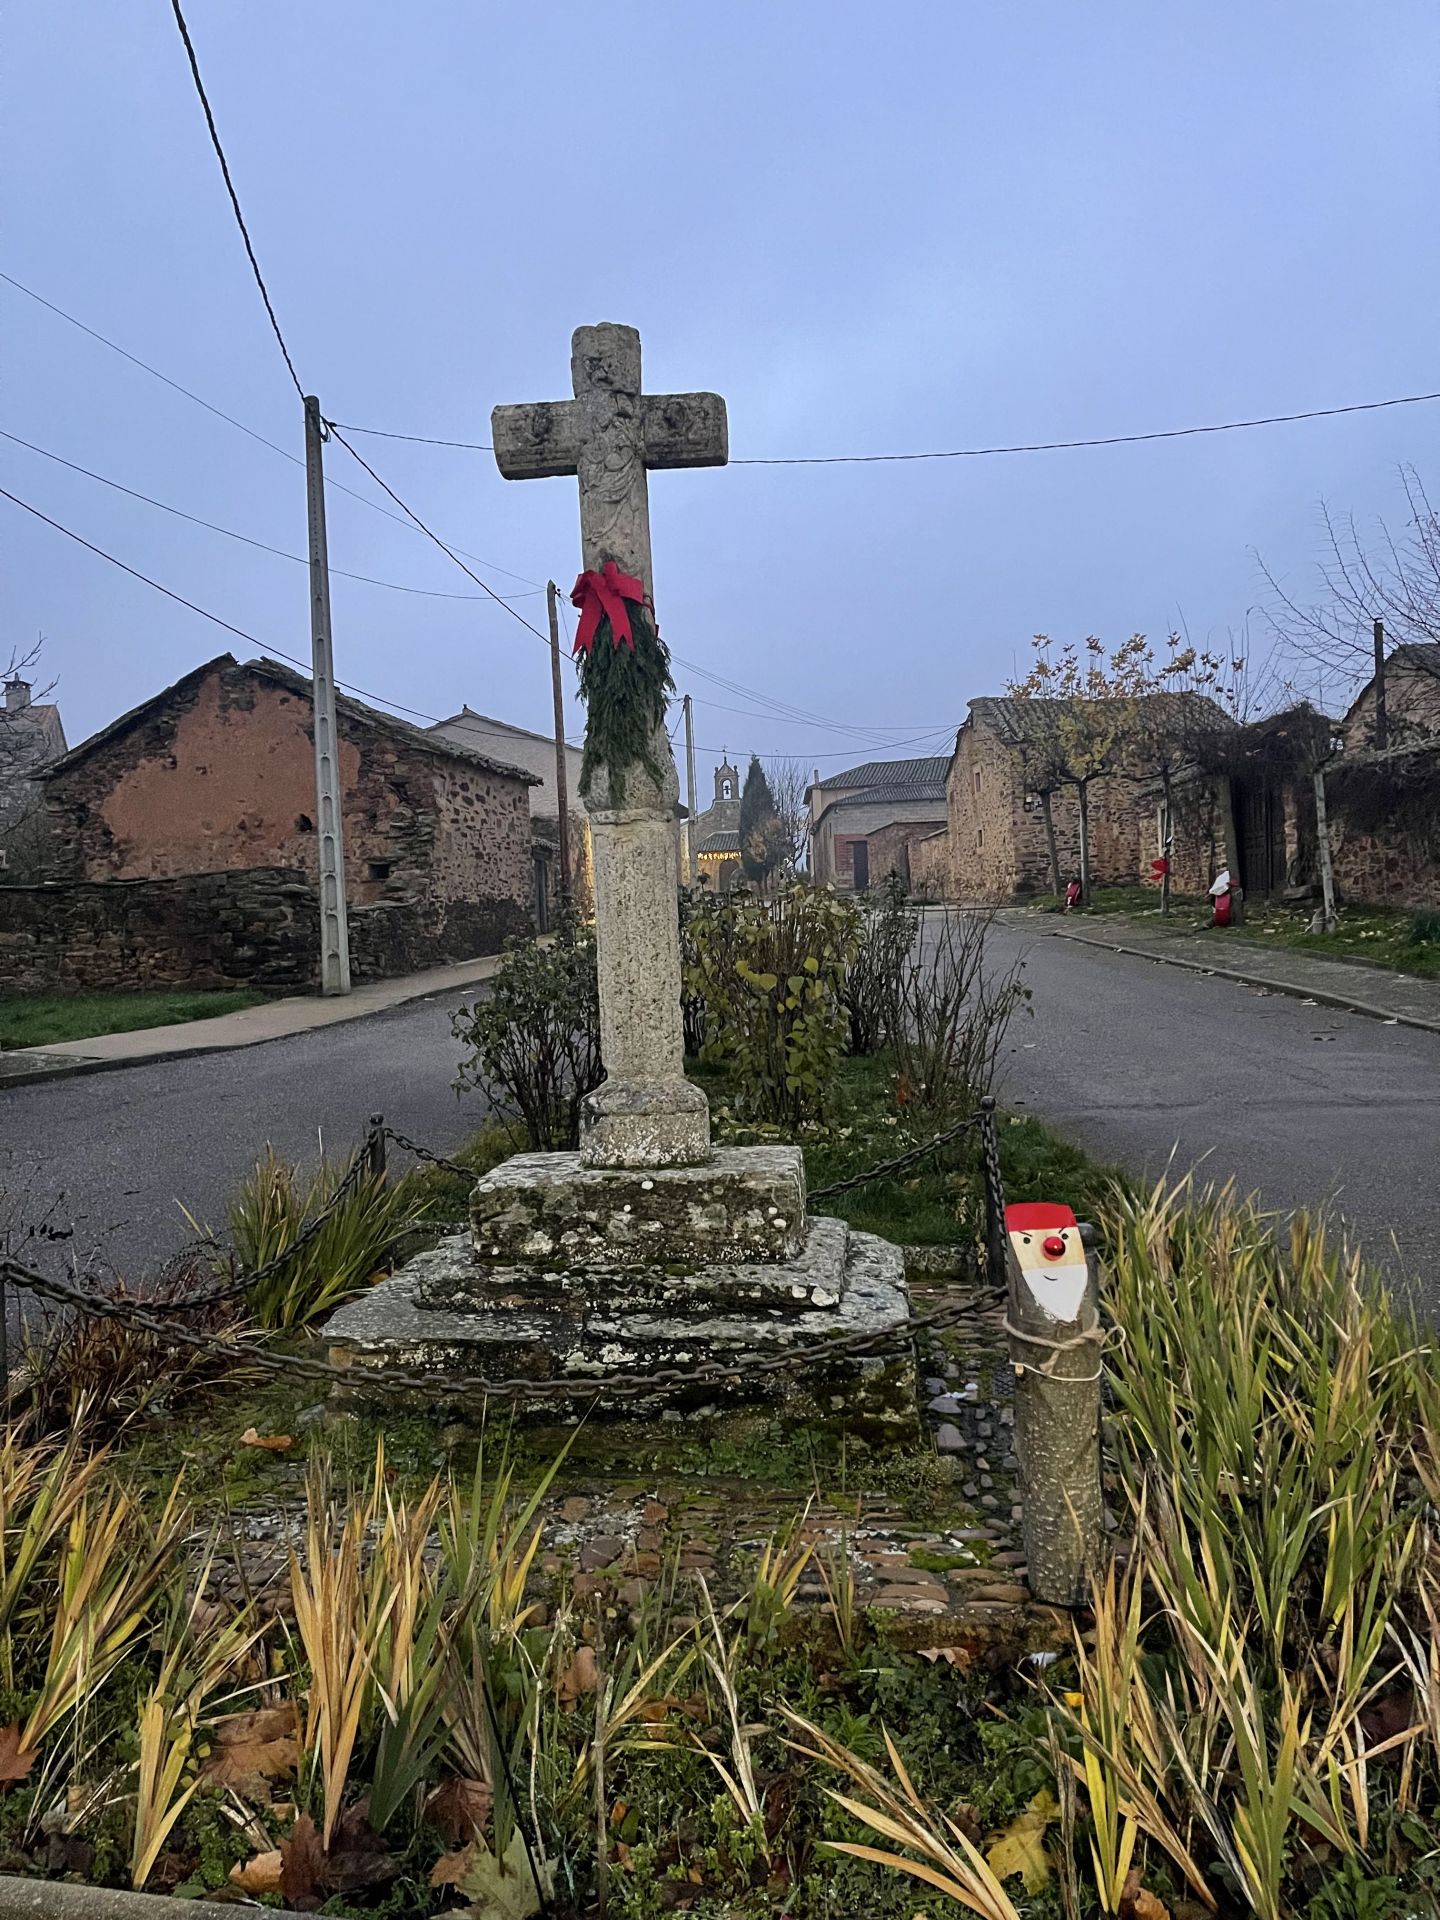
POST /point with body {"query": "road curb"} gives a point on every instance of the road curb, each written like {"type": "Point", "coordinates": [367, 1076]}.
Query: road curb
{"type": "Point", "coordinates": [53, 1066]}
{"type": "Point", "coordinates": [1318, 994]}
{"type": "Point", "coordinates": [22, 1898]}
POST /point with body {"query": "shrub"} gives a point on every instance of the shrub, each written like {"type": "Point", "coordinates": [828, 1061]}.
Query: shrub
{"type": "Point", "coordinates": [887, 935]}
{"type": "Point", "coordinates": [274, 1207]}
{"type": "Point", "coordinates": [772, 976]}
{"type": "Point", "coordinates": [1422, 927]}
{"type": "Point", "coordinates": [692, 1003]}
{"type": "Point", "coordinates": [945, 1020]}
{"type": "Point", "coordinates": [533, 1043]}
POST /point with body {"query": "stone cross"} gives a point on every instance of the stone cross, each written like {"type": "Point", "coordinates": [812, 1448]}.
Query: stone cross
{"type": "Point", "coordinates": [645, 1113]}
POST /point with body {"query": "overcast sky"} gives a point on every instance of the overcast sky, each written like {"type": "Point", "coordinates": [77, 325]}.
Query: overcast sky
{"type": "Point", "coordinates": [872, 228]}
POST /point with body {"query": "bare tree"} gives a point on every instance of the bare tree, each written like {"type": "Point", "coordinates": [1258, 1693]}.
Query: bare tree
{"type": "Point", "coordinates": [1376, 589]}
{"type": "Point", "coordinates": [787, 791]}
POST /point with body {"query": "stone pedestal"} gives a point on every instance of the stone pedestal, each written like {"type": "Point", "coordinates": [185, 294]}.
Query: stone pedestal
{"type": "Point", "coordinates": [580, 1274]}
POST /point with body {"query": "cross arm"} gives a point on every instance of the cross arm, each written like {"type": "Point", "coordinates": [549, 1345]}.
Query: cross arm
{"type": "Point", "coordinates": [685, 430]}
{"type": "Point", "coordinates": [536, 442]}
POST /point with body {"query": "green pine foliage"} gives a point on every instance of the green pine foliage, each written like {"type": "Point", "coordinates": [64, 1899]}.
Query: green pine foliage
{"type": "Point", "coordinates": [625, 694]}
{"type": "Point", "coordinates": [761, 838]}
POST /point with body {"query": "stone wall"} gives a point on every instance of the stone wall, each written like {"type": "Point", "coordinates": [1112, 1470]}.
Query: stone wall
{"type": "Point", "coordinates": [256, 927]}
{"type": "Point", "coordinates": [892, 850]}
{"type": "Point", "coordinates": [398, 937]}
{"type": "Point", "coordinates": [930, 866]}
{"type": "Point", "coordinates": [1412, 706]}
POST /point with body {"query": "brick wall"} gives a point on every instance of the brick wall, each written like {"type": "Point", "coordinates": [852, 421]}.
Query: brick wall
{"type": "Point", "coordinates": [256, 927]}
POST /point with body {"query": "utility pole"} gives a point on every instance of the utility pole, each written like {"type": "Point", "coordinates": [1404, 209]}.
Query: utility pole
{"type": "Point", "coordinates": [562, 788]}
{"type": "Point", "coordinates": [1382, 718]}
{"type": "Point", "coordinates": [334, 929]}
{"type": "Point", "coordinates": [692, 863]}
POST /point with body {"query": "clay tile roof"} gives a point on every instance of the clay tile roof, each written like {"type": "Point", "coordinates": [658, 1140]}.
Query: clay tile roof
{"type": "Point", "coordinates": [720, 842]}
{"type": "Point", "coordinates": [1018, 721]}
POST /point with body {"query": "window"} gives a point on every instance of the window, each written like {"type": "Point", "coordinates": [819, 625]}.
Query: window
{"type": "Point", "coordinates": [379, 869]}
{"type": "Point", "coordinates": [980, 839]}
{"type": "Point", "coordinates": [977, 779]}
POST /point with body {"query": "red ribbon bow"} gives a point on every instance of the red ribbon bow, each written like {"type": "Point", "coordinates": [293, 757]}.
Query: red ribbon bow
{"type": "Point", "coordinates": [603, 596]}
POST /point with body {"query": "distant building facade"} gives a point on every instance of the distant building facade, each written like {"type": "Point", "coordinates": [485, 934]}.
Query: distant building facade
{"type": "Point", "coordinates": [864, 822]}
{"type": "Point", "coordinates": [715, 833]}
{"type": "Point", "coordinates": [32, 737]}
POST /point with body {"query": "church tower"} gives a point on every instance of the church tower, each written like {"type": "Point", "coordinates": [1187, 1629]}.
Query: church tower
{"type": "Point", "coordinates": [725, 812]}
{"type": "Point", "coordinates": [717, 831]}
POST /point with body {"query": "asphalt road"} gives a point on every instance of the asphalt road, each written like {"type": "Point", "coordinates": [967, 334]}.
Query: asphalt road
{"type": "Point", "coordinates": [1301, 1104]}
{"type": "Point", "coordinates": [1131, 1059]}
{"type": "Point", "coordinates": [118, 1155]}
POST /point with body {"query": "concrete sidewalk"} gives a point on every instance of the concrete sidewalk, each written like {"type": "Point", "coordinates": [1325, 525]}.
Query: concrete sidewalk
{"type": "Point", "coordinates": [1349, 984]}
{"type": "Point", "coordinates": [250, 1027]}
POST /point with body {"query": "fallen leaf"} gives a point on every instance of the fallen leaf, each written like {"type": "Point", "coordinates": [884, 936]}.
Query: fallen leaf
{"type": "Point", "coordinates": [582, 1676]}
{"type": "Point", "coordinates": [1021, 1847]}
{"type": "Point", "coordinates": [15, 1760]}
{"type": "Point", "coordinates": [264, 1744]}
{"type": "Point", "coordinates": [505, 1889]}
{"type": "Point", "coordinates": [451, 1868]}
{"type": "Point", "coordinates": [271, 1442]}
{"type": "Point", "coordinates": [357, 1856]}
{"type": "Point", "coordinates": [952, 1656]}
{"type": "Point", "coordinates": [459, 1809]}
{"type": "Point", "coordinates": [1138, 1903]}
{"type": "Point", "coordinates": [302, 1865]}
{"type": "Point", "coordinates": [261, 1874]}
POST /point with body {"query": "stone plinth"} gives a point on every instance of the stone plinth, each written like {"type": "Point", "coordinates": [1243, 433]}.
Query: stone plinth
{"type": "Point", "coordinates": [587, 1338]}
{"type": "Point", "coordinates": [553, 1210]}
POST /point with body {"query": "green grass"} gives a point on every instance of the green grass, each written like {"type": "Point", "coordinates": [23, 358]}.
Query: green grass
{"type": "Point", "coordinates": [41, 1021]}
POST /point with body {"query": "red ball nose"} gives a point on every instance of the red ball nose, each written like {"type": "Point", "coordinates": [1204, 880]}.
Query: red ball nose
{"type": "Point", "coordinates": [1054, 1246]}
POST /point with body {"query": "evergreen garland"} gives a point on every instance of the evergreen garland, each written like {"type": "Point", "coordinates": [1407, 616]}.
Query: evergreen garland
{"type": "Point", "coordinates": [625, 694]}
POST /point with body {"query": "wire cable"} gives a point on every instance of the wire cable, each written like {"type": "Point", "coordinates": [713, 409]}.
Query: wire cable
{"type": "Point", "coordinates": [420, 439]}
{"type": "Point", "coordinates": [369, 580]}
{"type": "Point", "coordinates": [1062, 446]}
{"type": "Point", "coordinates": [543, 638]}
{"type": "Point", "coordinates": [234, 197]}
{"type": "Point", "coordinates": [337, 486]}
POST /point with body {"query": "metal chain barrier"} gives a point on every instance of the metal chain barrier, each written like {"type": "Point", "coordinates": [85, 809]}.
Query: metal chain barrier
{"type": "Point", "coordinates": [884, 1169]}
{"type": "Point", "coordinates": [623, 1386]}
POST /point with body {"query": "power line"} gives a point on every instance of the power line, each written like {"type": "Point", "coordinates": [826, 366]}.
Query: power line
{"type": "Point", "coordinates": [395, 586]}
{"type": "Point", "coordinates": [234, 197]}
{"type": "Point", "coordinates": [1105, 440]}
{"type": "Point", "coordinates": [544, 638]}
{"type": "Point", "coordinates": [420, 439]}
{"type": "Point", "coordinates": [379, 699]}
{"type": "Point", "coordinates": [336, 486]}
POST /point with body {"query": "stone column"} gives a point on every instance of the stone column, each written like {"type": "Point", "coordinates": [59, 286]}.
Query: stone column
{"type": "Point", "coordinates": [645, 1113]}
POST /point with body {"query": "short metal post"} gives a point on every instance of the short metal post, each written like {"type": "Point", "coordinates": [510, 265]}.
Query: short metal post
{"type": "Point", "coordinates": [4, 1337]}
{"type": "Point", "coordinates": [994, 1193]}
{"type": "Point", "coordinates": [376, 1146]}
{"type": "Point", "coordinates": [1053, 1323]}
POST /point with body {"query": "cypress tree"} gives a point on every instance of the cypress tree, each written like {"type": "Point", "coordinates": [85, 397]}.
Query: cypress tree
{"type": "Point", "coordinates": [760, 839]}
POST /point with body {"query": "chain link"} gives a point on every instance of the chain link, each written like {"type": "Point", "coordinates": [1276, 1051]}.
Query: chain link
{"type": "Point", "coordinates": [624, 1386]}
{"type": "Point", "coordinates": [884, 1169]}
{"type": "Point", "coordinates": [428, 1154]}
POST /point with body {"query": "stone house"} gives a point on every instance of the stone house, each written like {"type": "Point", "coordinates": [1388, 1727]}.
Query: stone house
{"type": "Point", "coordinates": [864, 822]}
{"type": "Point", "coordinates": [998, 839]}
{"type": "Point", "coordinates": [215, 776]}
{"type": "Point", "coordinates": [535, 752]}
{"type": "Point", "coordinates": [32, 737]}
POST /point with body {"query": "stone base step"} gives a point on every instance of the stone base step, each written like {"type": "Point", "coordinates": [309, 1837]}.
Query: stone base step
{"type": "Point", "coordinates": [584, 1345]}
{"type": "Point", "coordinates": [449, 1277]}
{"type": "Point", "coordinates": [550, 1211]}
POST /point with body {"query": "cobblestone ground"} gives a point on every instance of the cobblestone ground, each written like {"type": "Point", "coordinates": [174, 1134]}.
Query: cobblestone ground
{"type": "Point", "coordinates": [955, 1579]}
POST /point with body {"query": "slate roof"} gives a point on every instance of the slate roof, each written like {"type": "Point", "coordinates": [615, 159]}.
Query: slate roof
{"type": "Point", "coordinates": [1018, 721]}
{"type": "Point", "coordinates": [720, 842]}
{"type": "Point", "coordinates": [907, 801]}
{"type": "Point", "coordinates": [298, 683]}
{"type": "Point", "coordinates": [922, 779]}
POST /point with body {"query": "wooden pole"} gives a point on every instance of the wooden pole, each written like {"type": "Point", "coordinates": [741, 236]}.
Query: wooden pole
{"type": "Point", "coordinates": [562, 787]}
{"type": "Point", "coordinates": [1382, 717]}
{"type": "Point", "coordinates": [334, 925]}
{"type": "Point", "coordinates": [1322, 841]}
{"type": "Point", "coordinates": [1053, 1324]}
